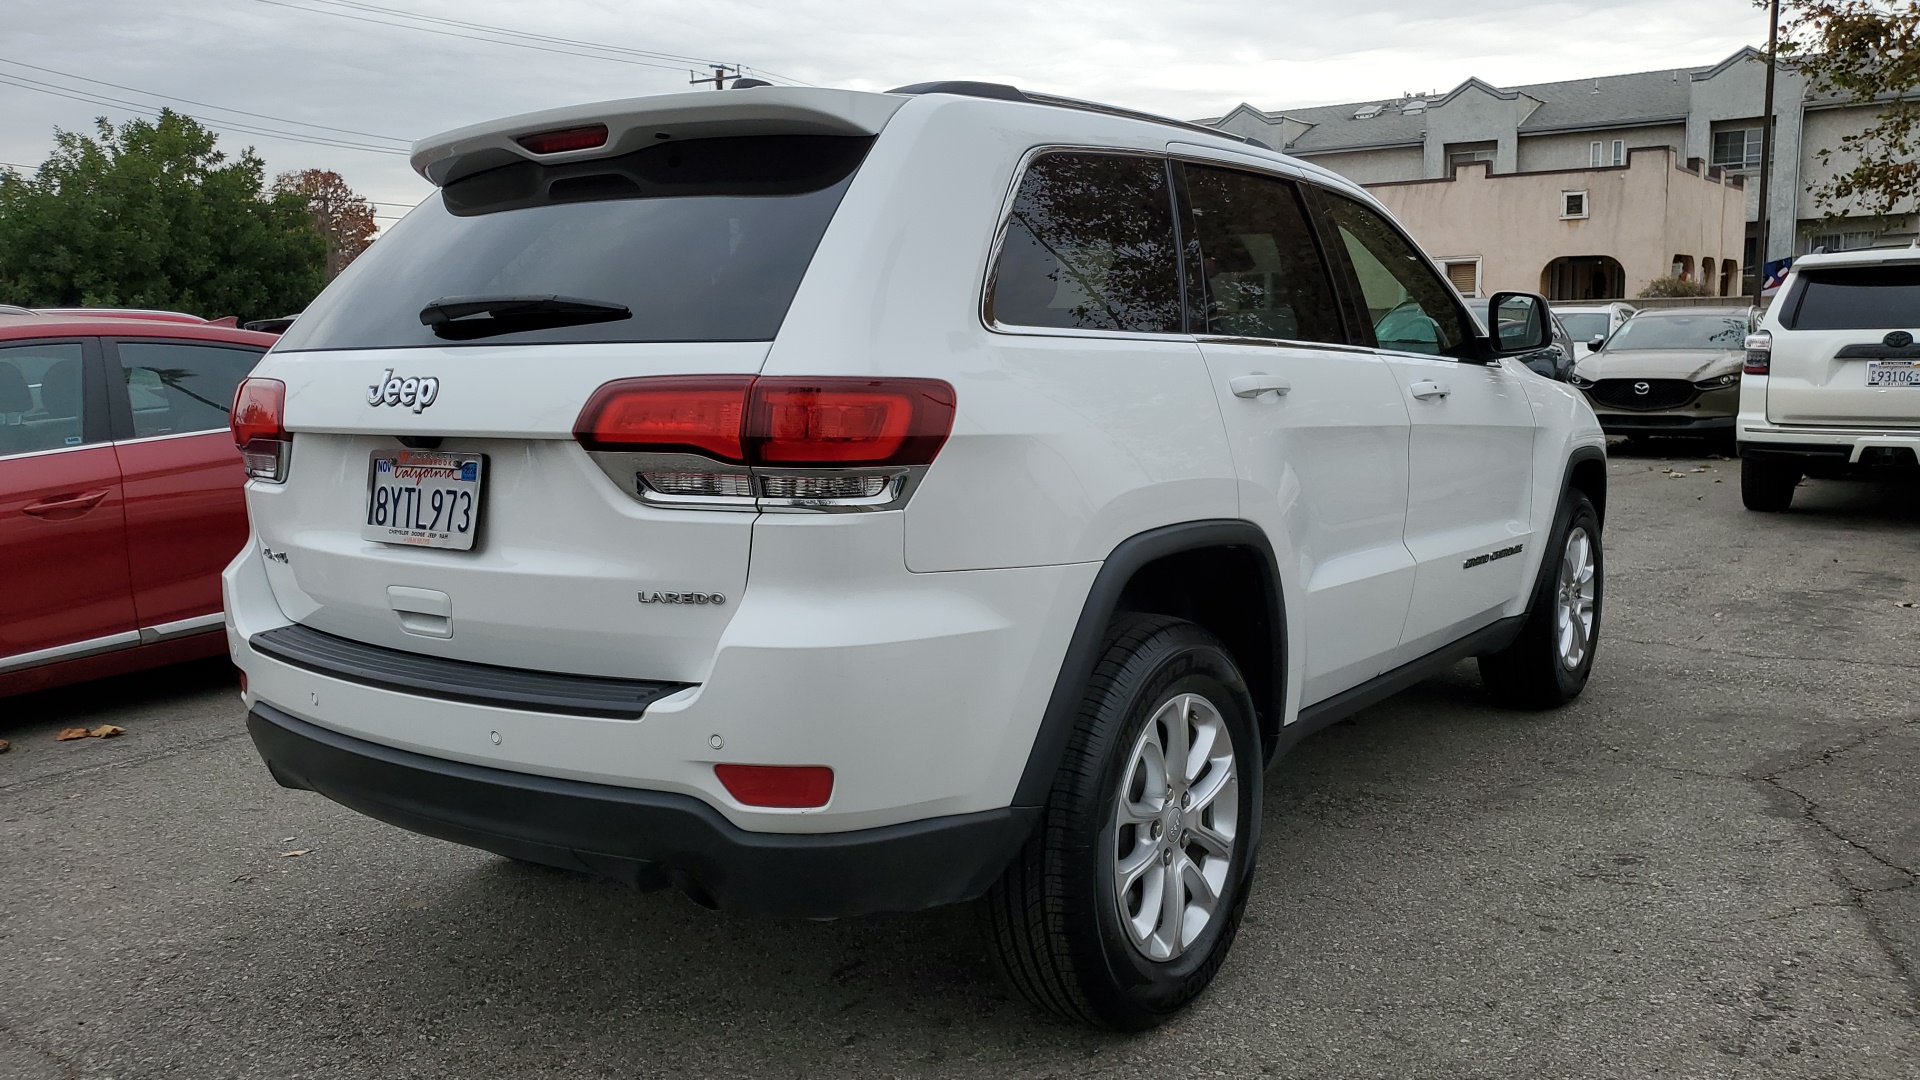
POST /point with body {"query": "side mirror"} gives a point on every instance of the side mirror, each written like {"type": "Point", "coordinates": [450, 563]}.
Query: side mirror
{"type": "Point", "coordinates": [1598, 340]}
{"type": "Point", "coordinates": [1519, 323]}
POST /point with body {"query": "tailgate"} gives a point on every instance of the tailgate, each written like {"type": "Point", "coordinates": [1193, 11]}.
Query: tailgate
{"type": "Point", "coordinates": [1846, 354]}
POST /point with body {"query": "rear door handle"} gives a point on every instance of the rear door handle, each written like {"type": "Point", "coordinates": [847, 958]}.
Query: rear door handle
{"type": "Point", "coordinates": [1252, 386]}
{"type": "Point", "coordinates": [66, 504]}
{"type": "Point", "coordinates": [1427, 388]}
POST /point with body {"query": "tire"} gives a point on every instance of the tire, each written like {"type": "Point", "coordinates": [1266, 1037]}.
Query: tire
{"type": "Point", "coordinates": [1058, 922]}
{"type": "Point", "coordinates": [1767, 486]}
{"type": "Point", "coordinates": [1547, 664]}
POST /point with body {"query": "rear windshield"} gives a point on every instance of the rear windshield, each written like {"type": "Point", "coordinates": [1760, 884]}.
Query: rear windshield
{"type": "Point", "coordinates": [1586, 325]}
{"type": "Point", "coordinates": [1857, 298]}
{"type": "Point", "coordinates": [704, 240]}
{"type": "Point", "coordinates": [1714, 331]}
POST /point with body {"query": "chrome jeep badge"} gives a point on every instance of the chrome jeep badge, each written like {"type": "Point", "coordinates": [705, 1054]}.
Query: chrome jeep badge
{"type": "Point", "coordinates": [409, 392]}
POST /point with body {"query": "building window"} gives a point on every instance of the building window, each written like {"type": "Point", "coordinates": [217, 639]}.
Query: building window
{"type": "Point", "coordinates": [1738, 148]}
{"type": "Point", "coordinates": [1602, 154]}
{"type": "Point", "coordinates": [1467, 157]}
{"type": "Point", "coordinates": [1464, 275]}
{"type": "Point", "coordinates": [1573, 204]}
{"type": "Point", "coordinates": [1852, 240]}
{"type": "Point", "coordinates": [1619, 151]}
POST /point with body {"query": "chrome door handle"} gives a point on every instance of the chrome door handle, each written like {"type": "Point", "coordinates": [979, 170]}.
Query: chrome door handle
{"type": "Point", "coordinates": [1252, 386]}
{"type": "Point", "coordinates": [1427, 388]}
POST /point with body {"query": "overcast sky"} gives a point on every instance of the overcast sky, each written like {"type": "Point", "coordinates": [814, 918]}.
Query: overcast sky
{"type": "Point", "coordinates": [358, 70]}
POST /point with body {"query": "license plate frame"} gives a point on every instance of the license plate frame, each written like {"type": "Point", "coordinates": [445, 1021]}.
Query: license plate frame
{"type": "Point", "coordinates": [1893, 373]}
{"type": "Point", "coordinates": [392, 516]}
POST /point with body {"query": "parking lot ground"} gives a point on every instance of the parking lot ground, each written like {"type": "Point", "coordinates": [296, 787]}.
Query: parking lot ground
{"type": "Point", "coordinates": [1703, 868]}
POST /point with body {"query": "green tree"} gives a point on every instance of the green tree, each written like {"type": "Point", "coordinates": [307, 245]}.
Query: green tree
{"type": "Point", "coordinates": [1865, 52]}
{"type": "Point", "coordinates": [149, 214]}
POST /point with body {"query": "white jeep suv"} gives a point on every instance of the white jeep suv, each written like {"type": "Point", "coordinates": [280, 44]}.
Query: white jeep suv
{"type": "Point", "coordinates": [1832, 380]}
{"type": "Point", "coordinates": [834, 502]}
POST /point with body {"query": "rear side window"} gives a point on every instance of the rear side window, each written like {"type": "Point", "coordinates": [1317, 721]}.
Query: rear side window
{"type": "Point", "coordinates": [703, 240]}
{"type": "Point", "coordinates": [1857, 298]}
{"type": "Point", "coordinates": [176, 387]}
{"type": "Point", "coordinates": [1090, 246]}
{"type": "Point", "coordinates": [41, 404]}
{"type": "Point", "coordinates": [1261, 273]}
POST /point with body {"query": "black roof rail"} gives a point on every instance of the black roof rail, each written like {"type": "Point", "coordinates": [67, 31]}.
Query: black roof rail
{"type": "Point", "coordinates": [1003, 92]}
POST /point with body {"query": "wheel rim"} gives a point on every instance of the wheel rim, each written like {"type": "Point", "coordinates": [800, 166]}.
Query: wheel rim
{"type": "Point", "coordinates": [1574, 604]}
{"type": "Point", "coordinates": [1174, 827]}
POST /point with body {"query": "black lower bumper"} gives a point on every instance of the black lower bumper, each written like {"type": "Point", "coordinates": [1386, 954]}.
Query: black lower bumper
{"type": "Point", "coordinates": [1663, 424]}
{"type": "Point", "coordinates": [647, 838]}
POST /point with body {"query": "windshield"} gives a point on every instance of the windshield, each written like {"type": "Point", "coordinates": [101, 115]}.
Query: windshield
{"type": "Point", "coordinates": [1584, 326]}
{"type": "Point", "coordinates": [1715, 331]}
{"type": "Point", "coordinates": [1857, 298]}
{"type": "Point", "coordinates": [705, 240]}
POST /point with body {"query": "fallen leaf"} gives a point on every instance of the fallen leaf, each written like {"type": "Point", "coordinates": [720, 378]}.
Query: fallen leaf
{"type": "Point", "coordinates": [288, 839]}
{"type": "Point", "coordinates": [107, 731]}
{"type": "Point", "coordinates": [1902, 603]}
{"type": "Point", "coordinates": [5, 746]}
{"type": "Point", "coordinates": [70, 734]}
{"type": "Point", "coordinates": [243, 877]}
{"type": "Point", "coordinates": [295, 854]}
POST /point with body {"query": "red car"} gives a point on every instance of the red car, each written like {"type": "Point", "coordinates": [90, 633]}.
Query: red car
{"type": "Point", "coordinates": [120, 492]}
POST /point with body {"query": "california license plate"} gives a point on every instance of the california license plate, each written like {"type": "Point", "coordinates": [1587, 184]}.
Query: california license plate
{"type": "Point", "coordinates": [1893, 373]}
{"type": "Point", "coordinates": [423, 498]}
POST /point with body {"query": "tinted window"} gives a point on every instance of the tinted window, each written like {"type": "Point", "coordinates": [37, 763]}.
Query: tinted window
{"type": "Point", "coordinates": [1261, 272]}
{"type": "Point", "coordinates": [1858, 298]}
{"type": "Point", "coordinates": [704, 240]}
{"type": "Point", "coordinates": [41, 406]}
{"type": "Point", "coordinates": [177, 387]}
{"type": "Point", "coordinates": [1412, 308]}
{"type": "Point", "coordinates": [1585, 325]}
{"type": "Point", "coordinates": [1712, 331]}
{"type": "Point", "coordinates": [1090, 246]}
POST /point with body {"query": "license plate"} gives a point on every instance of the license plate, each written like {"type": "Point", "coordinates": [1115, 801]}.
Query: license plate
{"type": "Point", "coordinates": [423, 498]}
{"type": "Point", "coordinates": [1893, 373]}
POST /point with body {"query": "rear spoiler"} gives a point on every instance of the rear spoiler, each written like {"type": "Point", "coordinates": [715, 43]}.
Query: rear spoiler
{"type": "Point", "coordinates": [636, 122]}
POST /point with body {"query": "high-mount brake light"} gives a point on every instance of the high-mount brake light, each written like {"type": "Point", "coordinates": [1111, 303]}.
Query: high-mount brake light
{"type": "Point", "coordinates": [565, 139]}
{"type": "Point", "coordinates": [259, 429]}
{"type": "Point", "coordinates": [787, 787]}
{"type": "Point", "coordinates": [1759, 353]}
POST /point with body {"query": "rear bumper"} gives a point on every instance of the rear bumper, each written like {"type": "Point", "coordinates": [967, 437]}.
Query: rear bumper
{"type": "Point", "coordinates": [647, 838]}
{"type": "Point", "coordinates": [1831, 451]}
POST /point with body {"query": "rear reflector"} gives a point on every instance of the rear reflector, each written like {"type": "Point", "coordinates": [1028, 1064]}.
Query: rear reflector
{"type": "Point", "coordinates": [257, 422]}
{"type": "Point", "coordinates": [559, 142]}
{"type": "Point", "coordinates": [788, 422]}
{"type": "Point", "coordinates": [784, 786]}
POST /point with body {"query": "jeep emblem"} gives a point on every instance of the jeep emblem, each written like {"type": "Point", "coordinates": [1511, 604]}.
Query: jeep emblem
{"type": "Point", "coordinates": [409, 392]}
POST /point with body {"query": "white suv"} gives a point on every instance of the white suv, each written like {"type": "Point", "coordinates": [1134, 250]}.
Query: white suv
{"type": "Point", "coordinates": [835, 502]}
{"type": "Point", "coordinates": [1832, 381]}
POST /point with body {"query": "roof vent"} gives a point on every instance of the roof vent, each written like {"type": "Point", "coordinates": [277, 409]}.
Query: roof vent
{"type": "Point", "coordinates": [1369, 112]}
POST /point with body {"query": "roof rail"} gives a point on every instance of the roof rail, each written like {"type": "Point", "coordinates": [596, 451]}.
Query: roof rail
{"type": "Point", "coordinates": [1003, 92]}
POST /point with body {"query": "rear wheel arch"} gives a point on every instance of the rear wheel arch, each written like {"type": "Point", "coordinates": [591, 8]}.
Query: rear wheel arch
{"type": "Point", "coordinates": [1219, 574]}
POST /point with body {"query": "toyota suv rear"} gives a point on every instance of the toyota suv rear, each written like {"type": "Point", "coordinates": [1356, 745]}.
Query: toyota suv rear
{"type": "Point", "coordinates": [1832, 376]}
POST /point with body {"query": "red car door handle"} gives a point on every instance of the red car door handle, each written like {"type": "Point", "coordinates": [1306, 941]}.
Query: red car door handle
{"type": "Point", "coordinates": [66, 504]}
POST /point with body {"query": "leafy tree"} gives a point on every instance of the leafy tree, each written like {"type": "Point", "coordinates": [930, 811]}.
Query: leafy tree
{"type": "Point", "coordinates": [1868, 53]}
{"type": "Point", "coordinates": [149, 214]}
{"type": "Point", "coordinates": [343, 219]}
{"type": "Point", "coordinates": [1673, 286]}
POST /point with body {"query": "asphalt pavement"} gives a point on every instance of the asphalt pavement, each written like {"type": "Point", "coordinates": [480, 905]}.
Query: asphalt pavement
{"type": "Point", "coordinates": [1705, 867]}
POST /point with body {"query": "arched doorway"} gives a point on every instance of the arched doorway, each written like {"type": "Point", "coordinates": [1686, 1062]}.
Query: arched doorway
{"type": "Point", "coordinates": [1584, 277]}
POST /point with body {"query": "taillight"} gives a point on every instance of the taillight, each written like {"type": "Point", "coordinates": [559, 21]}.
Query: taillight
{"type": "Point", "coordinates": [1759, 353]}
{"type": "Point", "coordinates": [790, 787]}
{"type": "Point", "coordinates": [801, 443]}
{"type": "Point", "coordinates": [258, 424]}
{"type": "Point", "coordinates": [565, 139]}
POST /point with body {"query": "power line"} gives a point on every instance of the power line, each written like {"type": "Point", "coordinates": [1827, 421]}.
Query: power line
{"type": "Point", "coordinates": [202, 104]}
{"type": "Point", "coordinates": [464, 24]}
{"type": "Point", "coordinates": [147, 110]}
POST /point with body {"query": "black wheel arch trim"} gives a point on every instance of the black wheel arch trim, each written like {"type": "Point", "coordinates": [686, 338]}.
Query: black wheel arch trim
{"type": "Point", "coordinates": [1083, 649]}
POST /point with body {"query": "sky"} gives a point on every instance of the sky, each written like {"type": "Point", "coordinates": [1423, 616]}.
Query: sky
{"type": "Point", "coordinates": [360, 79]}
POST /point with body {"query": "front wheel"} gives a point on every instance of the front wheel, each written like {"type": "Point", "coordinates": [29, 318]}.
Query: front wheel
{"type": "Point", "coordinates": [1123, 905]}
{"type": "Point", "coordinates": [1549, 660]}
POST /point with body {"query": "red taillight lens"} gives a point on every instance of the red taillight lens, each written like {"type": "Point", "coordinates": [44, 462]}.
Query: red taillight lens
{"type": "Point", "coordinates": [1759, 353]}
{"type": "Point", "coordinates": [559, 142]}
{"type": "Point", "coordinates": [827, 422]}
{"type": "Point", "coordinates": [788, 787]}
{"type": "Point", "coordinates": [672, 414]}
{"type": "Point", "coordinates": [790, 422]}
{"type": "Point", "coordinates": [258, 424]}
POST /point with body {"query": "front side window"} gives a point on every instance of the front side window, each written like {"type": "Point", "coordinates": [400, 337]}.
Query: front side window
{"type": "Point", "coordinates": [176, 387]}
{"type": "Point", "coordinates": [41, 406]}
{"type": "Point", "coordinates": [1857, 298]}
{"type": "Point", "coordinates": [1090, 246]}
{"type": "Point", "coordinates": [1412, 308]}
{"type": "Point", "coordinates": [1261, 272]}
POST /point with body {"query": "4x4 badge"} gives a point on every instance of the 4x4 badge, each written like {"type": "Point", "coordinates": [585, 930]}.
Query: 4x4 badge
{"type": "Point", "coordinates": [409, 392]}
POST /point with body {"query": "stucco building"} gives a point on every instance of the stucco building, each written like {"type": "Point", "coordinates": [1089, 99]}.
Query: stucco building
{"type": "Point", "coordinates": [1487, 174]}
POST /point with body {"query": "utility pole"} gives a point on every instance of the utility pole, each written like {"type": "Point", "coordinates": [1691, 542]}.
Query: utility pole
{"type": "Point", "coordinates": [1766, 152]}
{"type": "Point", "coordinates": [721, 73]}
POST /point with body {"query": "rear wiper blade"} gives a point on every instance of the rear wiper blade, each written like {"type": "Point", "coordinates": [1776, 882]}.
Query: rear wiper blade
{"type": "Point", "coordinates": [465, 317]}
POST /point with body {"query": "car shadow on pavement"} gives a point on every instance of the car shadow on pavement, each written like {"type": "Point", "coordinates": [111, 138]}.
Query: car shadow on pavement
{"type": "Point", "coordinates": [104, 699]}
